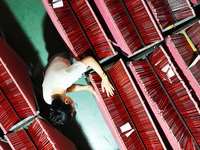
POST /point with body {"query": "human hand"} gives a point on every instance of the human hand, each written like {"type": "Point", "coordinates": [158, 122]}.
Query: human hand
{"type": "Point", "coordinates": [107, 86]}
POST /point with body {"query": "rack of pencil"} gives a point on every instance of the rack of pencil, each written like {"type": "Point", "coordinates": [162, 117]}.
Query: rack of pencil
{"type": "Point", "coordinates": [16, 91]}
{"type": "Point", "coordinates": [130, 23]}
{"type": "Point", "coordinates": [125, 113]}
{"type": "Point", "coordinates": [170, 14]}
{"type": "Point", "coordinates": [185, 47]}
{"type": "Point", "coordinates": [80, 29]}
{"type": "Point", "coordinates": [169, 98]}
{"type": "Point", "coordinates": [18, 105]}
{"type": "Point", "coordinates": [38, 136]}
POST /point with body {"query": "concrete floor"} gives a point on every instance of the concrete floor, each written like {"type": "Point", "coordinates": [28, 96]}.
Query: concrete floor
{"type": "Point", "coordinates": [30, 32]}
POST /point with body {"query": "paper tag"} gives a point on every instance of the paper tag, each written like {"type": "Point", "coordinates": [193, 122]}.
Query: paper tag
{"type": "Point", "coordinates": [190, 42]}
{"type": "Point", "coordinates": [170, 27]}
{"type": "Point", "coordinates": [167, 69]}
{"type": "Point", "coordinates": [57, 3]}
{"type": "Point", "coordinates": [125, 127]}
{"type": "Point", "coordinates": [129, 133]}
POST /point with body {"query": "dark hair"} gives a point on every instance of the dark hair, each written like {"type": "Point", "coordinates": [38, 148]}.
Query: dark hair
{"type": "Point", "coordinates": [60, 113]}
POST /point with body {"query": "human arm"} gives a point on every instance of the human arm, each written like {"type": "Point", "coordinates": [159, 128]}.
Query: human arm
{"type": "Point", "coordinates": [78, 87]}
{"type": "Point", "coordinates": [105, 84]}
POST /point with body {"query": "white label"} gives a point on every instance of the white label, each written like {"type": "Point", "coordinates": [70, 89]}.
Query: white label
{"type": "Point", "coordinates": [169, 71]}
{"type": "Point", "coordinates": [57, 3]}
{"type": "Point", "coordinates": [129, 133]}
{"type": "Point", "coordinates": [125, 127]}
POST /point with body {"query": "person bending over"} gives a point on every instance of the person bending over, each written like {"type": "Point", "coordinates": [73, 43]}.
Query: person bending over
{"type": "Point", "coordinates": [59, 76]}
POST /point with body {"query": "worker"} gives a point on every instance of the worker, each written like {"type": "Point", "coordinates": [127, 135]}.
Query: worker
{"type": "Point", "coordinates": [59, 77]}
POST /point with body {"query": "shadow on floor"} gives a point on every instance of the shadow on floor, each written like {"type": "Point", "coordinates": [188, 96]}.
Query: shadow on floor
{"type": "Point", "coordinates": [53, 42]}
{"type": "Point", "coordinates": [74, 132]}
{"type": "Point", "coordinates": [18, 40]}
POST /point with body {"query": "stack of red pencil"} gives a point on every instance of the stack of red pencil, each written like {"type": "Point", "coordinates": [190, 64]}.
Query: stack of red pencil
{"type": "Point", "coordinates": [126, 107]}
{"type": "Point", "coordinates": [143, 20]}
{"type": "Point", "coordinates": [7, 114]}
{"type": "Point", "coordinates": [39, 136]}
{"type": "Point", "coordinates": [184, 103]}
{"type": "Point", "coordinates": [20, 140]}
{"type": "Point", "coordinates": [194, 34]}
{"type": "Point", "coordinates": [185, 49]}
{"type": "Point", "coordinates": [16, 96]}
{"type": "Point", "coordinates": [169, 12]}
{"type": "Point", "coordinates": [161, 13]}
{"type": "Point", "coordinates": [82, 29]}
{"type": "Point", "coordinates": [181, 9]}
{"type": "Point", "coordinates": [134, 25]}
{"type": "Point", "coordinates": [92, 28]}
{"type": "Point", "coordinates": [124, 25]}
{"type": "Point", "coordinates": [72, 29]}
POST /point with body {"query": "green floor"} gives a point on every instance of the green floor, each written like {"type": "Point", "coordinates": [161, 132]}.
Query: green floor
{"type": "Point", "coordinates": [30, 32]}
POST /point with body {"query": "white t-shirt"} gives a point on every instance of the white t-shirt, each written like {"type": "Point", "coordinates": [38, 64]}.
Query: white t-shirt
{"type": "Point", "coordinates": [61, 73]}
